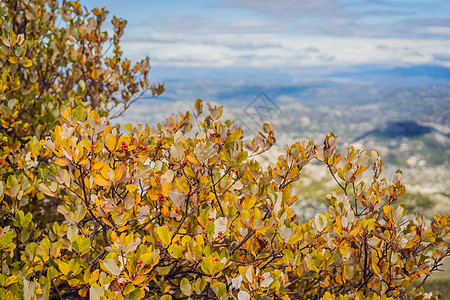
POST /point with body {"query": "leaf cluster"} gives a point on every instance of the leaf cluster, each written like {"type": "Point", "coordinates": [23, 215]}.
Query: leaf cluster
{"type": "Point", "coordinates": [168, 212]}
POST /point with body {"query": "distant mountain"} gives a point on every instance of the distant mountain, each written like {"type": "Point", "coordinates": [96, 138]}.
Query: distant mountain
{"type": "Point", "coordinates": [417, 75]}
{"type": "Point", "coordinates": [400, 129]}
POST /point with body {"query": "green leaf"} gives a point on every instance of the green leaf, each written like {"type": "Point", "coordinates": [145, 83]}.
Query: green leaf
{"type": "Point", "coordinates": [76, 241]}
{"type": "Point", "coordinates": [218, 266]}
{"type": "Point", "coordinates": [210, 228]}
{"type": "Point", "coordinates": [349, 272]}
{"type": "Point", "coordinates": [428, 236]}
{"type": "Point", "coordinates": [138, 294]}
{"type": "Point", "coordinates": [84, 246]}
{"type": "Point", "coordinates": [81, 89]}
{"type": "Point", "coordinates": [13, 185]}
{"type": "Point", "coordinates": [220, 289]}
{"type": "Point", "coordinates": [24, 220]}
{"type": "Point", "coordinates": [164, 235]}
{"type": "Point", "coordinates": [128, 289]}
{"type": "Point", "coordinates": [234, 136]}
{"type": "Point", "coordinates": [78, 112]}
{"type": "Point", "coordinates": [317, 258]}
{"type": "Point", "coordinates": [18, 51]}
{"type": "Point", "coordinates": [176, 251]}
{"type": "Point", "coordinates": [207, 266]}
{"type": "Point", "coordinates": [75, 267]}
{"type": "Point", "coordinates": [242, 157]}
{"type": "Point", "coordinates": [7, 238]}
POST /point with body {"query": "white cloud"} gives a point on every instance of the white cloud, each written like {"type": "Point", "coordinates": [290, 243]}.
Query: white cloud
{"type": "Point", "coordinates": [293, 8]}
{"type": "Point", "coordinates": [287, 51]}
{"type": "Point", "coordinates": [434, 30]}
{"type": "Point", "coordinates": [291, 34]}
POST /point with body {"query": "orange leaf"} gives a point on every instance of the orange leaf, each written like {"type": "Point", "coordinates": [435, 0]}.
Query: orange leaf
{"type": "Point", "coordinates": [60, 161]}
{"type": "Point", "coordinates": [99, 180]}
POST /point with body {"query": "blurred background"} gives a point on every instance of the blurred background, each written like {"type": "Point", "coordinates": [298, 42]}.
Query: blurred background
{"type": "Point", "coordinates": [375, 72]}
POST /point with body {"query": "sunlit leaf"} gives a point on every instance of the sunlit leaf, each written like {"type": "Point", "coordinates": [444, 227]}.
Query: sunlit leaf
{"type": "Point", "coordinates": [164, 235]}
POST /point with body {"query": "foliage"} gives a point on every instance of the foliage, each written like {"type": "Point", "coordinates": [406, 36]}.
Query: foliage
{"type": "Point", "coordinates": [154, 213]}
{"type": "Point", "coordinates": [52, 55]}
{"type": "Point", "coordinates": [175, 213]}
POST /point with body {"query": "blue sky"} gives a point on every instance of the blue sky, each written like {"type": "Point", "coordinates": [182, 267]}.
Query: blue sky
{"type": "Point", "coordinates": [284, 39]}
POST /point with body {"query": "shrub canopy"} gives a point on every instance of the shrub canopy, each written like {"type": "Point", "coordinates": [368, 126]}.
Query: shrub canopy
{"type": "Point", "coordinates": [172, 212]}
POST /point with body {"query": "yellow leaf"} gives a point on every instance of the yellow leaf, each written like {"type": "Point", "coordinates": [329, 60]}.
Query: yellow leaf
{"type": "Point", "coordinates": [106, 172]}
{"type": "Point", "coordinates": [83, 162]}
{"type": "Point", "coordinates": [119, 171]}
{"type": "Point", "coordinates": [86, 144]}
{"type": "Point", "coordinates": [388, 210]}
{"type": "Point", "coordinates": [99, 180]}
{"type": "Point", "coordinates": [193, 160]}
{"type": "Point", "coordinates": [107, 222]}
{"type": "Point", "coordinates": [344, 248]}
{"type": "Point", "coordinates": [87, 182]}
{"type": "Point", "coordinates": [28, 63]}
{"type": "Point", "coordinates": [326, 296]}
{"type": "Point", "coordinates": [375, 267]}
{"type": "Point", "coordinates": [140, 278]}
{"type": "Point", "coordinates": [128, 127]}
{"type": "Point", "coordinates": [98, 165]}
{"type": "Point", "coordinates": [294, 238]}
{"type": "Point", "coordinates": [168, 187]}
{"type": "Point", "coordinates": [64, 267]}
{"type": "Point", "coordinates": [369, 223]}
{"type": "Point", "coordinates": [356, 229]}
{"type": "Point", "coordinates": [131, 187]}
{"type": "Point", "coordinates": [67, 113]}
{"type": "Point", "coordinates": [312, 267]}
{"type": "Point", "coordinates": [164, 235]}
{"type": "Point", "coordinates": [111, 142]}
{"type": "Point", "coordinates": [249, 202]}
{"type": "Point", "coordinates": [165, 210]}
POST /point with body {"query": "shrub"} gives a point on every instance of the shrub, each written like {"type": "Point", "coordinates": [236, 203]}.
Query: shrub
{"type": "Point", "coordinates": [52, 56]}
{"type": "Point", "coordinates": [175, 213]}
{"type": "Point", "coordinates": [156, 214]}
